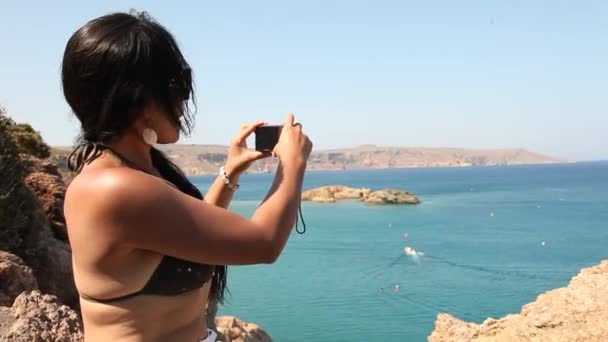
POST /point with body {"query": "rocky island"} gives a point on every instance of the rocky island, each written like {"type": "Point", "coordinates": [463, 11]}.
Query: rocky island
{"type": "Point", "coordinates": [333, 193]}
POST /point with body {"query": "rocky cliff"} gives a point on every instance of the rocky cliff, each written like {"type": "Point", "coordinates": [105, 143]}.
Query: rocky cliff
{"type": "Point", "coordinates": [31, 210]}
{"type": "Point", "coordinates": [578, 312]}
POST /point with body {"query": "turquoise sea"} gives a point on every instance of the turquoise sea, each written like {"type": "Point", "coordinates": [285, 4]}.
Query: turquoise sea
{"type": "Point", "coordinates": [481, 231]}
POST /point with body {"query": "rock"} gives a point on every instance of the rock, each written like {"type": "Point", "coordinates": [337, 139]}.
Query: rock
{"type": "Point", "coordinates": [6, 321]}
{"type": "Point", "coordinates": [15, 278]}
{"type": "Point", "coordinates": [333, 193]}
{"type": "Point", "coordinates": [343, 192]}
{"type": "Point", "coordinates": [28, 141]}
{"type": "Point", "coordinates": [54, 270]}
{"type": "Point", "coordinates": [323, 195]}
{"type": "Point", "coordinates": [390, 196]}
{"type": "Point", "coordinates": [59, 159]}
{"type": "Point", "coordinates": [25, 230]}
{"type": "Point", "coordinates": [17, 203]}
{"type": "Point", "coordinates": [578, 312]}
{"type": "Point", "coordinates": [232, 329]}
{"type": "Point", "coordinates": [50, 190]}
{"type": "Point", "coordinates": [46, 182]}
{"type": "Point", "coordinates": [35, 317]}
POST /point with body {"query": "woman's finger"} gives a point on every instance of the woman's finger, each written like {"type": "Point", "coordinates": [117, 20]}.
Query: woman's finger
{"type": "Point", "coordinates": [247, 129]}
{"type": "Point", "coordinates": [257, 155]}
{"type": "Point", "coordinates": [289, 120]}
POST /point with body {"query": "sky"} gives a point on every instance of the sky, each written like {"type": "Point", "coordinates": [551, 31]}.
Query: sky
{"type": "Point", "coordinates": [475, 74]}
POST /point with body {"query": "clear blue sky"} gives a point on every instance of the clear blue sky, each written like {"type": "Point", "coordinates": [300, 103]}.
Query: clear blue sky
{"type": "Point", "coordinates": [530, 74]}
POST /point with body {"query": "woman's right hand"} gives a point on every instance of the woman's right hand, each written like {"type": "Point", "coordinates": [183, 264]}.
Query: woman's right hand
{"type": "Point", "coordinates": [293, 147]}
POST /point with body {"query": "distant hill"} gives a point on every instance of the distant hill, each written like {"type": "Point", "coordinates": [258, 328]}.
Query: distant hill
{"type": "Point", "coordinates": [372, 156]}
{"type": "Point", "coordinates": [206, 159]}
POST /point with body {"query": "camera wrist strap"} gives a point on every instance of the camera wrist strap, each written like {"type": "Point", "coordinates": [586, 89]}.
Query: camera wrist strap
{"type": "Point", "coordinates": [301, 218]}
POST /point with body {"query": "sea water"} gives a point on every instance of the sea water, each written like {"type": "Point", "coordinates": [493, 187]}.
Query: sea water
{"type": "Point", "coordinates": [489, 239]}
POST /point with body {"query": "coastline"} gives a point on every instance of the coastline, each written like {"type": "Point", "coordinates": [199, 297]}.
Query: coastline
{"type": "Point", "coordinates": [202, 160]}
{"type": "Point", "coordinates": [255, 172]}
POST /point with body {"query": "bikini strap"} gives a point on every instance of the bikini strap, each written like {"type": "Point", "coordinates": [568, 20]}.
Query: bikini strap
{"type": "Point", "coordinates": [110, 300]}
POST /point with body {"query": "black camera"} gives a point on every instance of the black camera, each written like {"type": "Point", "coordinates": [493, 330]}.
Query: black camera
{"type": "Point", "coordinates": [266, 137]}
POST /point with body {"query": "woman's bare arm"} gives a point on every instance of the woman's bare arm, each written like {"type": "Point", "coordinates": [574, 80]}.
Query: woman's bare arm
{"type": "Point", "coordinates": [238, 161]}
{"type": "Point", "coordinates": [143, 212]}
{"type": "Point", "coordinates": [219, 194]}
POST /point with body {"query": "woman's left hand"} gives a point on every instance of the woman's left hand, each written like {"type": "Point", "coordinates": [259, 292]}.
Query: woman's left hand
{"type": "Point", "coordinates": [239, 156]}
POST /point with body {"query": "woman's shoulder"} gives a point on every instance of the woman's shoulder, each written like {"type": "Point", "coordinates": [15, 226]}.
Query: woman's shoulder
{"type": "Point", "coordinates": [111, 188]}
{"type": "Point", "coordinates": [110, 203]}
{"type": "Point", "coordinates": [101, 181]}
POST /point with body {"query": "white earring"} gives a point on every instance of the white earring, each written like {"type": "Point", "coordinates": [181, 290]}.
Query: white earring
{"type": "Point", "coordinates": [150, 136]}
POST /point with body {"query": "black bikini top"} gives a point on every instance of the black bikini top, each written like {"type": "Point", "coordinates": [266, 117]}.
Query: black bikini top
{"type": "Point", "coordinates": [172, 277]}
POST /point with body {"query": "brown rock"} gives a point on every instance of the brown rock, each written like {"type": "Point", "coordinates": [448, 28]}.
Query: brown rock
{"type": "Point", "coordinates": [19, 208]}
{"type": "Point", "coordinates": [49, 258]}
{"type": "Point", "coordinates": [54, 270]}
{"type": "Point", "coordinates": [35, 317]}
{"type": "Point", "coordinates": [15, 278]}
{"type": "Point", "coordinates": [6, 321]}
{"type": "Point", "coordinates": [390, 196]}
{"type": "Point", "coordinates": [343, 192]}
{"type": "Point", "coordinates": [25, 229]}
{"type": "Point", "coordinates": [319, 195]}
{"type": "Point", "coordinates": [32, 164]}
{"type": "Point", "coordinates": [59, 159]}
{"type": "Point", "coordinates": [232, 329]}
{"type": "Point", "coordinates": [578, 312]}
{"type": "Point", "coordinates": [50, 190]}
{"type": "Point", "coordinates": [29, 141]}
{"type": "Point", "coordinates": [49, 253]}
{"type": "Point", "coordinates": [332, 193]}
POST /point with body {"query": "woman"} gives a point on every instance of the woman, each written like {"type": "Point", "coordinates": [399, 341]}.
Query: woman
{"type": "Point", "coordinates": [148, 251]}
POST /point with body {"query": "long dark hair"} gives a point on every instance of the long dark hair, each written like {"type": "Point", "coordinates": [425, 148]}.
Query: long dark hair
{"type": "Point", "coordinates": [112, 67]}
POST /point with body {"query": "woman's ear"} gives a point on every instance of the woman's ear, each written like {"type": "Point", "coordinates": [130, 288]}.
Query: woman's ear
{"type": "Point", "coordinates": [148, 118]}
{"type": "Point", "coordinates": [139, 124]}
